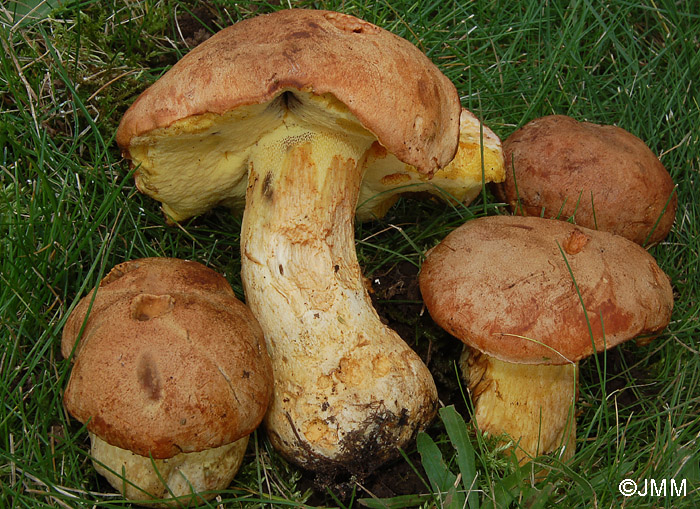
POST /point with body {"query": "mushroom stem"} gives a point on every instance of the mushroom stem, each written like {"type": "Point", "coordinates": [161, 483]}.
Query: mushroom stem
{"type": "Point", "coordinates": [348, 390]}
{"type": "Point", "coordinates": [532, 403]}
{"type": "Point", "coordinates": [185, 479]}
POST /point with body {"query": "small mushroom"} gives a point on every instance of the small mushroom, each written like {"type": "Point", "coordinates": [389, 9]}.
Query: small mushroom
{"type": "Point", "coordinates": [530, 298]}
{"type": "Point", "coordinates": [287, 109]}
{"type": "Point", "coordinates": [170, 377]}
{"type": "Point", "coordinates": [602, 176]}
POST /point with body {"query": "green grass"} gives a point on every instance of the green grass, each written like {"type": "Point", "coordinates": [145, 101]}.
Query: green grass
{"type": "Point", "coordinates": [69, 211]}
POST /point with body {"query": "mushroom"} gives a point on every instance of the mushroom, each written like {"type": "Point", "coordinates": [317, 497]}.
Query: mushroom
{"type": "Point", "coordinates": [170, 377]}
{"type": "Point", "coordinates": [285, 109]}
{"type": "Point", "coordinates": [530, 298]}
{"type": "Point", "coordinates": [602, 176]}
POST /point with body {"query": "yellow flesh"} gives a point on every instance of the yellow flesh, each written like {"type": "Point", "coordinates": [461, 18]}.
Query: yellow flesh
{"type": "Point", "coordinates": [136, 478]}
{"type": "Point", "coordinates": [533, 404]}
{"type": "Point", "coordinates": [201, 162]}
{"type": "Point", "coordinates": [460, 181]}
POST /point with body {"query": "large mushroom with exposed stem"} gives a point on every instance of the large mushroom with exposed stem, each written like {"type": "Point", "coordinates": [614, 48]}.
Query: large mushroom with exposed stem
{"type": "Point", "coordinates": [287, 110]}
{"type": "Point", "coordinates": [531, 297]}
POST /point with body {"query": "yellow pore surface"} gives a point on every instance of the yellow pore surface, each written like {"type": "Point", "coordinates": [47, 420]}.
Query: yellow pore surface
{"type": "Point", "coordinates": [202, 161]}
{"type": "Point", "coordinates": [479, 159]}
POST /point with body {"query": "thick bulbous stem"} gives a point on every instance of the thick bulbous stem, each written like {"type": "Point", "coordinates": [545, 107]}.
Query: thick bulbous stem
{"type": "Point", "coordinates": [348, 390]}
{"type": "Point", "coordinates": [532, 403]}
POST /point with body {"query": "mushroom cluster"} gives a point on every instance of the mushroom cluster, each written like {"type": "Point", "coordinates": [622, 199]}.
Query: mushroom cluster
{"type": "Point", "coordinates": [306, 120]}
{"type": "Point", "coordinates": [170, 377]}
{"type": "Point", "coordinates": [303, 116]}
{"type": "Point", "coordinates": [532, 296]}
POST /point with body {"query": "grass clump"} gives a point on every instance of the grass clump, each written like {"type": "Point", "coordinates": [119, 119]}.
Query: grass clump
{"type": "Point", "coordinates": [69, 211]}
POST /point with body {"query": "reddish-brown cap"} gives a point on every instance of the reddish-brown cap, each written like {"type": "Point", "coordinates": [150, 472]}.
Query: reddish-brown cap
{"type": "Point", "coordinates": [603, 176]}
{"type": "Point", "coordinates": [392, 88]}
{"type": "Point", "coordinates": [169, 360]}
{"type": "Point", "coordinates": [509, 287]}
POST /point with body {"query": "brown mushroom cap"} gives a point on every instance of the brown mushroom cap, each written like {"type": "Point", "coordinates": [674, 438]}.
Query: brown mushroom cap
{"type": "Point", "coordinates": [169, 360]}
{"type": "Point", "coordinates": [392, 88]}
{"type": "Point", "coordinates": [502, 285]}
{"type": "Point", "coordinates": [604, 176]}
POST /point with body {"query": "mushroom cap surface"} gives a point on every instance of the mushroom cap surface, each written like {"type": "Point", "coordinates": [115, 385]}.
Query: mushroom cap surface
{"type": "Point", "coordinates": [169, 361]}
{"type": "Point", "coordinates": [392, 88]}
{"type": "Point", "coordinates": [504, 286]}
{"type": "Point", "coordinates": [605, 177]}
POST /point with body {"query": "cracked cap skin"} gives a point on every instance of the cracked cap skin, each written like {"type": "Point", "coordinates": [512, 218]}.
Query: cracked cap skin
{"type": "Point", "coordinates": [169, 361]}
{"type": "Point", "coordinates": [504, 286]}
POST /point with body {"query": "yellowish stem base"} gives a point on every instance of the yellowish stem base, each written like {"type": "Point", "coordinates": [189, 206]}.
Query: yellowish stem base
{"type": "Point", "coordinates": [533, 404]}
{"type": "Point", "coordinates": [181, 481]}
